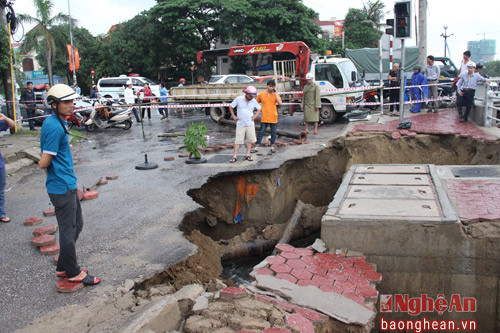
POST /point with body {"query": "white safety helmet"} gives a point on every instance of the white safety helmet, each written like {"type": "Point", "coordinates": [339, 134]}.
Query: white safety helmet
{"type": "Point", "coordinates": [61, 92]}
{"type": "Point", "coordinates": [309, 76]}
{"type": "Point", "coordinates": [129, 83]}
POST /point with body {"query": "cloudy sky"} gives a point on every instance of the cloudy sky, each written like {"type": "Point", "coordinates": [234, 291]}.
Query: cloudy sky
{"type": "Point", "coordinates": [471, 23]}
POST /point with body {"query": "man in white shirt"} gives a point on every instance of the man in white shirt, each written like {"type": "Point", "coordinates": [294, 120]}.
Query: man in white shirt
{"type": "Point", "coordinates": [245, 127]}
{"type": "Point", "coordinates": [432, 73]}
{"type": "Point", "coordinates": [128, 93]}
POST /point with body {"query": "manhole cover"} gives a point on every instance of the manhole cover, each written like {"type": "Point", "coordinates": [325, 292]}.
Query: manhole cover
{"type": "Point", "coordinates": [475, 172]}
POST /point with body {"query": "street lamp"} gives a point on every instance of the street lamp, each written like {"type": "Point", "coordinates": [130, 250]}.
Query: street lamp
{"type": "Point", "coordinates": [192, 72]}
{"type": "Point", "coordinates": [445, 36]}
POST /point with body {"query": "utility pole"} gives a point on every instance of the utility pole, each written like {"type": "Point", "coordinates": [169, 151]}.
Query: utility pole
{"type": "Point", "coordinates": [6, 72]}
{"type": "Point", "coordinates": [445, 36]}
{"type": "Point", "coordinates": [422, 32]}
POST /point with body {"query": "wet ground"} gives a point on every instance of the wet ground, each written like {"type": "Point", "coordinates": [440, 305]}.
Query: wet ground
{"type": "Point", "coordinates": [131, 230]}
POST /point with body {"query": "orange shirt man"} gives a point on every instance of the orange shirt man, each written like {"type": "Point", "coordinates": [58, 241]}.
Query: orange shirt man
{"type": "Point", "coordinates": [268, 100]}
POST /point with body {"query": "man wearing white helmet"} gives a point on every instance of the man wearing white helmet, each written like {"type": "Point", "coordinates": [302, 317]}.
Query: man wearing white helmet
{"type": "Point", "coordinates": [245, 127]}
{"type": "Point", "coordinates": [129, 96]}
{"type": "Point", "coordinates": [311, 103]}
{"type": "Point", "coordinates": [61, 186]}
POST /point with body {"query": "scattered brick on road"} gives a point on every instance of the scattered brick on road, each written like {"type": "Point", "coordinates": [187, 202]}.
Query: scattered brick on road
{"type": "Point", "coordinates": [43, 240]}
{"type": "Point", "coordinates": [90, 194]}
{"type": "Point", "coordinates": [33, 221]}
{"type": "Point", "coordinates": [111, 177]}
{"type": "Point", "coordinates": [46, 230]}
{"type": "Point", "coordinates": [50, 249]}
{"type": "Point", "coordinates": [168, 158]}
{"type": "Point", "coordinates": [79, 194]}
{"type": "Point", "coordinates": [232, 293]}
{"type": "Point", "coordinates": [183, 155]}
{"type": "Point", "coordinates": [64, 286]}
{"type": "Point", "coordinates": [49, 212]}
{"type": "Point", "coordinates": [102, 182]}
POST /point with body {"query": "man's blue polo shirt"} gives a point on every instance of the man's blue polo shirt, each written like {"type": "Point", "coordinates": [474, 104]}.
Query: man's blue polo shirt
{"type": "Point", "coordinates": [54, 141]}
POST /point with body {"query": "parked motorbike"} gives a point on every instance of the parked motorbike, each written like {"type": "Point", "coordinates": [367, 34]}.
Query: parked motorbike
{"type": "Point", "coordinates": [371, 96]}
{"type": "Point", "coordinates": [78, 118]}
{"type": "Point", "coordinates": [104, 116]}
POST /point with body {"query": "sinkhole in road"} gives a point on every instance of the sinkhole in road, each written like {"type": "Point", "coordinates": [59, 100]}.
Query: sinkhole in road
{"type": "Point", "coordinates": [314, 180]}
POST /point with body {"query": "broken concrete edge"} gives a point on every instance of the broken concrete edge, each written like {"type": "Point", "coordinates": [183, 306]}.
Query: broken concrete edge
{"type": "Point", "coordinates": [448, 211]}
{"type": "Point", "coordinates": [17, 165]}
{"type": "Point", "coordinates": [336, 306]}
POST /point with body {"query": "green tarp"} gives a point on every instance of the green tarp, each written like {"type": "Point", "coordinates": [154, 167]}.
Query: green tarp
{"type": "Point", "coordinates": [367, 59]}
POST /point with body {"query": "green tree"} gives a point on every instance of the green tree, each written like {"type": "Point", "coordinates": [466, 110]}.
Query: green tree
{"type": "Point", "coordinates": [374, 11]}
{"type": "Point", "coordinates": [4, 49]}
{"type": "Point", "coordinates": [492, 68]}
{"type": "Point", "coordinates": [43, 22]}
{"type": "Point", "coordinates": [359, 30]}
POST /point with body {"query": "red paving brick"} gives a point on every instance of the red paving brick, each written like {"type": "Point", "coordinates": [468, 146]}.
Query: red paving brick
{"type": "Point", "coordinates": [303, 324]}
{"type": "Point", "coordinates": [309, 260]}
{"type": "Point", "coordinates": [304, 252]}
{"type": "Point", "coordinates": [64, 286]}
{"type": "Point", "coordinates": [232, 293]}
{"type": "Point", "coordinates": [338, 275]}
{"type": "Point", "coordinates": [323, 280]}
{"type": "Point", "coordinates": [286, 276]}
{"type": "Point", "coordinates": [367, 292]}
{"type": "Point", "coordinates": [102, 182]}
{"type": "Point", "coordinates": [264, 271]}
{"type": "Point", "coordinates": [169, 158]}
{"type": "Point", "coordinates": [90, 194]}
{"type": "Point", "coordinates": [32, 221]}
{"type": "Point", "coordinates": [301, 274]}
{"type": "Point", "coordinates": [330, 265]}
{"type": "Point", "coordinates": [43, 240]}
{"type": "Point", "coordinates": [358, 280]}
{"type": "Point", "coordinates": [312, 315]}
{"type": "Point", "coordinates": [296, 263]}
{"type": "Point", "coordinates": [331, 289]}
{"type": "Point", "coordinates": [345, 261]}
{"type": "Point", "coordinates": [111, 177]}
{"type": "Point", "coordinates": [275, 260]}
{"type": "Point", "coordinates": [305, 283]}
{"type": "Point", "coordinates": [49, 212]}
{"type": "Point", "coordinates": [477, 200]}
{"type": "Point", "coordinates": [372, 276]}
{"type": "Point", "coordinates": [285, 247]}
{"type": "Point", "coordinates": [273, 330]}
{"type": "Point", "coordinates": [79, 194]}
{"type": "Point", "coordinates": [316, 269]}
{"type": "Point", "coordinates": [289, 255]}
{"type": "Point", "coordinates": [50, 249]}
{"type": "Point", "coordinates": [281, 268]}
{"type": "Point", "coordinates": [354, 296]}
{"type": "Point", "coordinates": [444, 122]}
{"type": "Point", "coordinates": [345, 285]}
{"type": "Point", "coordinates": [352, 271]}
{"type": "Point", "coordinates": [364, 266]}
{"type": "Point", "coordinates": [324, 256]}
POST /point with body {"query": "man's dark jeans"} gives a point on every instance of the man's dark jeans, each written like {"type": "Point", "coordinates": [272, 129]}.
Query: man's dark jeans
{"type": "Point", "coordinates": [262, 131]}
{"type": "Point", "coordinates": [31, 114]}
{"type": "Point", "coordinates": [70, 222]}
{"type": "Point", "coordinates": [468, 100]}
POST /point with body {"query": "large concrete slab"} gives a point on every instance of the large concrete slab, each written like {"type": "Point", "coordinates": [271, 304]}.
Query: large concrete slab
{"type": "Point", "coordinates": [393, 169]}
{"type": "Point", "coordinates": [389, 207]}
{"type": "Point", "coordinates": [390, 192]}
{"type": "Point", "coordinates": [389, 179]}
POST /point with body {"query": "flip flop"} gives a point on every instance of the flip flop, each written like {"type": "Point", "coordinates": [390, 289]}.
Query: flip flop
{"type": "Point", "coordinates": [315, 132]}
{"type": "Point", "coordinates": [5, 219]}
{"type": "Point", "coordinates": [254, 151]}
{"type": "Point", "coordinates": [233, 160]}
{"type": "Point", "coordinates": [63, 274]}
{"type": "Point", "coordinates": [273, 150]}
{"type": "Point", "coordinates": [88, 280]}
{"type": "Point", "coordinates": [249, 158]}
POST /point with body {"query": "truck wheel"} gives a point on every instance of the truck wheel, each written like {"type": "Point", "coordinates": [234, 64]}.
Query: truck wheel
{"type": "Point", "coordinates": [327, 114]}
{"type": "Point", "coordinates": [217, 112]}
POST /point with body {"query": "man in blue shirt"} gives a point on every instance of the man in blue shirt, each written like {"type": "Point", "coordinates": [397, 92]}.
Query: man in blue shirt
{"type": "Point", "coordinates": [5, 123]}
{"type": "Point", "coordinates": [418, 79]}
{"type": "Point", "coordinates": [56, 159]}
{"type": "Point", "coordinates": [245, 127]}
{"type": "Point", "coordinates": [163, 101]}
{"type": "Point", "coordinates": [466, 89]}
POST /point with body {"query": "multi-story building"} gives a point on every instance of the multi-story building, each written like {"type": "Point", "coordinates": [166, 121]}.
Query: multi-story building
{"type": "Point", "coordinates": [482, 50]}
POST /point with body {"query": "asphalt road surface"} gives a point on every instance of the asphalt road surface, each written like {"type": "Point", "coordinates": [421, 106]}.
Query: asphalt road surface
{"type": "Point", "coordinates": [131, 229]}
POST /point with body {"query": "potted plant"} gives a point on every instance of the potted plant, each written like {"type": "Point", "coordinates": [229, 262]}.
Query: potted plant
{"type": "Point", "coordinates": [195, 139]}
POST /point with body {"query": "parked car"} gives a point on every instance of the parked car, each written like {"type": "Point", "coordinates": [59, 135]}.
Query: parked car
{"type": "Point", "coordinates": [230, 78]}
{"type": "Point", "coordinates": [113, 87]}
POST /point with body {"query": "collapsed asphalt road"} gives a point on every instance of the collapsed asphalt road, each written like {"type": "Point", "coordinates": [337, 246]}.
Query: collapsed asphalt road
{"type": "Point", "coordinates": [131, 229]}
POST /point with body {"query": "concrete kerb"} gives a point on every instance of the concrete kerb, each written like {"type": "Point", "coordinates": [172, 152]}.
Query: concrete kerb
{"type": "Point", "coordinates": [449, 214]}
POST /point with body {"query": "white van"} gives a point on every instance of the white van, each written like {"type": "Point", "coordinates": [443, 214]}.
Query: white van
{"type": "Point", "coordinates": [113, 87]}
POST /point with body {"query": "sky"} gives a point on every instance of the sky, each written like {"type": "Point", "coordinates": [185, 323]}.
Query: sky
{"type": "Point", "coordinates": [473, 23]}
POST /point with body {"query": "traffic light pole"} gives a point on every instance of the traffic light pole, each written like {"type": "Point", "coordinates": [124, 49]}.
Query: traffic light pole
{"type": "Point", "coordinates": [402, 82]}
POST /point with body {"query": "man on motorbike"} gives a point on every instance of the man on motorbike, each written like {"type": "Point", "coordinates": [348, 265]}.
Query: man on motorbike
{"type": "Point", "coordinates": [61, 185]}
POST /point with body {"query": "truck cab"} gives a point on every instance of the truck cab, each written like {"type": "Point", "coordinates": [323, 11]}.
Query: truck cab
{"type": "Point", "coordinates": [331, 73]}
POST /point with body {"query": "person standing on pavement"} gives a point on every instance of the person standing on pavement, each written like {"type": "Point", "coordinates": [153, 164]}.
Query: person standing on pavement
{"type": "Point", "coordinates": [181, 84]}
{"type": "Point", "coordinates": [419, 89]}
{"type": "Point", "coordinates": [61, 185]}
{"type": "Point", "coordinates": [93, 92]}
{"type": "Point", "coordinates": [28, 99]}
{"type": "Point", "coordinates": [432, 73]}
{"type": "Point", "coordinates": [466, 88]}
{"type": "Point", "coordinates": [245, 127]}
{"type": "Point", "coordinates": [479, 67]}
{"type": "Point", "coordinates": [463, 65]}
{"type": "Point", "coordinates": [46, 108]}
{"type": "Point", "coordinates": [147, 98]}
{"type": "Point", "coordinates": [311, 103]}
{"type": "Point", "coordinates": [78, 90]}
{"type": "Point", "coordinates": [268, 100]}
{"type": "Point", "coordinates": [163, 101]}
{"type": "Point", "coordinates": [5, 124]}
{"type": "Point", "coordinates": [394, 82]}
{"type": "Point", "coordinates": [129, 96]}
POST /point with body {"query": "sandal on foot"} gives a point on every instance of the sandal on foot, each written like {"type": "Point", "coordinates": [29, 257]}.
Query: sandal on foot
{"type": "Point", "coordinates": [63, 274]}
{"type": "Point", "coordinates": [315, 132]}
{"type": "Point", "coordinates": [5, 219]}
{"type": "Point", "coordinates": [273, 150]}
{"type": "Point", "coordinates": [233, 160]}
{"type": "Point", "coordinates": [249, 158]}
{"type": "Point", "coordinates": [254, 151]}
{"type": "Point", "coordinates": [88, 280]}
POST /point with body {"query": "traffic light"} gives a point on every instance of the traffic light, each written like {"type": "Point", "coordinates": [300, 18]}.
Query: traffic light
{"type": "Point", "coordinates": [390, 24]}
{"type": "Point", "coordinates": [402, 14]}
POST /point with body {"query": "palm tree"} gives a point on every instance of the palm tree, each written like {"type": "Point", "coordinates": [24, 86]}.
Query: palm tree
{"type": "Point", "coordinates": [41, 32]}
{"type": "Point", "coordinates": [374, 11]}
